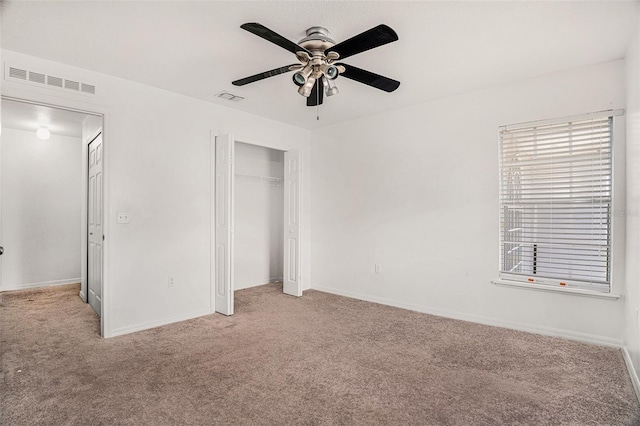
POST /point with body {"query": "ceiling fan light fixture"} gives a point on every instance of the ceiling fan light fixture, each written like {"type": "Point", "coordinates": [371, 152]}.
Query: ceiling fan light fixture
{"type": "Point", "coordinates": [300, 77]}
{"type": "Point", "coordinates": [331, 72]}
{"type": "Point", "coordinates": [305, 90]}
{"type": "Point", "coordinates": [330, 87]}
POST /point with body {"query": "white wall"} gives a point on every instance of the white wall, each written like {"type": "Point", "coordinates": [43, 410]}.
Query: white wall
{"type": "Point", "coordinates": [416, 190]}
{"type": "Point", "coordinates": [41, 204]}
{"type": "Point", "coordinates": [632, 333]}
{"type": "Point", "coordinates": [258, 215]}
{"type": "Point", "coordinates": [158, 169]}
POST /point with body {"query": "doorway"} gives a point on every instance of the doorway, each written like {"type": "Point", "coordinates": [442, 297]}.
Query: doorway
{"type": "Point", "coordinates": [44, 196]}
{"type": "Point", "coordinates": [258, 215]}
{"type": "Point", "coordinates": [224, 195]}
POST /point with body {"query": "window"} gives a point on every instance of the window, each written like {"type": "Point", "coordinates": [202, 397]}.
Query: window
{"type": "Point", "coordinates": [555, 202]}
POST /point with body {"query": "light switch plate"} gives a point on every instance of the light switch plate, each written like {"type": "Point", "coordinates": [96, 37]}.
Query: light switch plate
{"type": "Point", "coordinates": [123, 217]}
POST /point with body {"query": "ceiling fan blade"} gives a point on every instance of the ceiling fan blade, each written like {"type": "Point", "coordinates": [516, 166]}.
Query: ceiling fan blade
{"type": "Point", "coordinates": [264, 75]}
{"type": "Point", "coordinates": [369, 78]}
{"type": "Point", "coordinates": [375, 37]}
{"type": "Point", "coordinates": [264, 32]}
{"type": "Point", "coordinates": [317, 94]}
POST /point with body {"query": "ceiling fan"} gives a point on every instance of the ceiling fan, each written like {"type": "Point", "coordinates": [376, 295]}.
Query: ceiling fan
{"type": "Point", "coordinates": [318, 53]}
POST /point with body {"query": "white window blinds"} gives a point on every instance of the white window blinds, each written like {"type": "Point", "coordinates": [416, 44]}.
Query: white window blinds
{"type": "Point", "coordinates": [555, 203]}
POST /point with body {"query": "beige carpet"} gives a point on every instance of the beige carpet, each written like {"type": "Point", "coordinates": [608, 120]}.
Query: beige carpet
{"type": "Point", "coordinates": [320, 359]}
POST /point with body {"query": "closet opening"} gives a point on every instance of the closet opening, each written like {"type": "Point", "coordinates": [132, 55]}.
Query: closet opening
{"type": "Point", "coordinates": [258, 216]}
{"type": "Point", "coordinates": [256, 212]}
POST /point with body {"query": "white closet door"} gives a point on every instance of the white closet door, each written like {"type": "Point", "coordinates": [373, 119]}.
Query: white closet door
{"type": "Point", "coordinates": [292, 182]}
{"type": "Point", "coordinates": [224, 224]}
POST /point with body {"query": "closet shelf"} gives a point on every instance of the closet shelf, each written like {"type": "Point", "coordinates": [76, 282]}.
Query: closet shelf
{"type": "Point", "coordinates": [268, 179]}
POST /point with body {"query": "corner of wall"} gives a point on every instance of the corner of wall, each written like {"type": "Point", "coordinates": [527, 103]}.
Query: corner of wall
{"type": "Point", "coordinates": [632, 154]}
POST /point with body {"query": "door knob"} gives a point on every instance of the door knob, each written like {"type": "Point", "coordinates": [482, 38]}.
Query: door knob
{"type": "Point", "coordinates": [1, 250]}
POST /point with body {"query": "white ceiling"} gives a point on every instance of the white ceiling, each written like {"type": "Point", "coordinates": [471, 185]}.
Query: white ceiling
{"type": "Point", "coordinates": [26, 116]}
{"type": "Point", "coordinates": [444, 48]}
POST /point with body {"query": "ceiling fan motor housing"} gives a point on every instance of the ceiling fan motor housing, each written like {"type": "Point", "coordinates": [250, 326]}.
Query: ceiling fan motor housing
{"type": "Point", "coordinates": [317, 40]}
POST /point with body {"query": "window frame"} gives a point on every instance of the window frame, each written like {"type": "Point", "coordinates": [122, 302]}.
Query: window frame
{"type": "Point", "coordinates": [554, 284]}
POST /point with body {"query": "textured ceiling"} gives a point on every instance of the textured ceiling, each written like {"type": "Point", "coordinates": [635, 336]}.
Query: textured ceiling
{"type": "Point", "coordinates": [198, 48]}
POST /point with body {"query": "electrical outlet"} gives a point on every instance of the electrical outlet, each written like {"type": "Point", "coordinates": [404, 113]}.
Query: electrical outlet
{"type": "Point", "coordinates": [171, 281]}
{"type": "Point", "coordinates": [123, 217]}
{"type": "Point", "coordinates": [378, 268]}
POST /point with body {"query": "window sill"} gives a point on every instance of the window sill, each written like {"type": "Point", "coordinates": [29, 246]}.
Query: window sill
{"type": "Point", "coordinates": [574, 291]}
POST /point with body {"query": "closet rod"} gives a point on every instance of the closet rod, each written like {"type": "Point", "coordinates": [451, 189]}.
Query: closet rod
{"type": "Point", "coordinates": [261, 178]}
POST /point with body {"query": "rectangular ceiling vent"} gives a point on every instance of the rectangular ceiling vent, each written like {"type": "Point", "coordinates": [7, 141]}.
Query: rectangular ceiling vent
{"type": "Point", "coordinates": [32, 77]}
{"type": "Point", "coordinates": [229, 96]}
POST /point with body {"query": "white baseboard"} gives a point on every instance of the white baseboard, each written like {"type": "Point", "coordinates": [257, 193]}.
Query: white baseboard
{"type": "Point", "coordinates": [83, 296]}
{"type": "Point", "coordinates": [632, 371]}
{"type": "Point", "coordinates": [547, 331]}
{"type": "Point", "coordinates": [153, 324]}
{"type": "Point", "coordinates": [13, 287]}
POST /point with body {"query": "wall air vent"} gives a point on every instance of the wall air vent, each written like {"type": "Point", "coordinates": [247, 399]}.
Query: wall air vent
{"type": "Point", "coordinates": [36, 77]}
{"type": "Point", "coordinates": [53, 82]}
{"type": "Point", "coordinates": [88, 88]}
{"type": "Point", "coordinates": [73, 85]}
{"type": "Point", "coordinates": [17, 73]}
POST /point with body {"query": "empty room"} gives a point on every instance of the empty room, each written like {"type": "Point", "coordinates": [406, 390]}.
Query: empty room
{"type": "Point", "coordinates": [330, 212]}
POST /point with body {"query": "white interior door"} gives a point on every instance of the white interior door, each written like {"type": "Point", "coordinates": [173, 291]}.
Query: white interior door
{"type": "Point", "coordinates": [224, 151]}
{"type": "Point", "coordinates": [94, 213]}
{"type": "Point", "coordinates": [292, 191]}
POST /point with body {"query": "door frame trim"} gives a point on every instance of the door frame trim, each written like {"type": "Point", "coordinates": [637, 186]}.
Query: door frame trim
{"type": "Point", "coordinates": [104, 112]}
{"type": "Point", "coordinates": [213, 257]}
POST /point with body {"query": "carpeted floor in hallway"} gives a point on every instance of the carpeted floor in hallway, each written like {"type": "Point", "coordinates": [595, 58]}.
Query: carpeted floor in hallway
{"type": "Point", "coordinates": [316, 360]}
